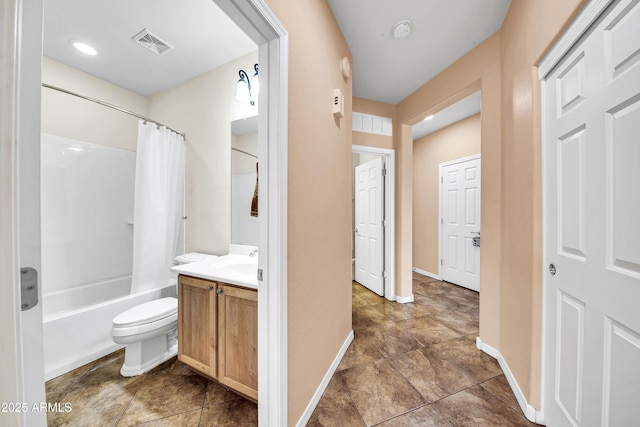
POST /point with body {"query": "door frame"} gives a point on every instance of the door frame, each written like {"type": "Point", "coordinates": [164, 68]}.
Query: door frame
{"type": "Point", "coordinates": [578, 27]}
{"type": "Point", "coordinates": [389, 160]}
{"type": "Point", "coordinates": [441, 166]}
{"type": "Point", "coordinates": [262, 26]}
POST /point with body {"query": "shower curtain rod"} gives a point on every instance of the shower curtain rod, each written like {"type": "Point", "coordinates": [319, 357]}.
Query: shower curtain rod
{"type": "Point", "coordinates": [115, 107]}
{"type": "Point", "coordinates": [244, 152]}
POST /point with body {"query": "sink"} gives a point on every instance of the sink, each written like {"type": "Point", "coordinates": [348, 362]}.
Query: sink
{"type": "Point", "coordinates": [238, 268]}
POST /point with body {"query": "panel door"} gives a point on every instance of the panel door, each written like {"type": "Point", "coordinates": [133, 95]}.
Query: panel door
{"type": "Point", "coordinates": [369, 230]}
{"type": "Point", "coordinates": [197, 322]}
{"type": "Point", "coordinates": [460, 223]}
{"type": "Point", "coordinates": [238, 339]}
{"type": "Point", "coordinates": [592, 227]}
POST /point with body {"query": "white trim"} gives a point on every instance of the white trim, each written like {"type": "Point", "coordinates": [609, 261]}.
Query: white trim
{"type": "Point", "coordinates": [306, 415]}
{"type": "Point", "coordinates": [440, 202]}
{"type": "Point", "coordinates": [262, 26]}
{"type": "Point", "coordinates": [426, 273]}
{"type": "Point", "coordinates": [587, 16]}
{"type": "Point", "coordinates": [404, 300]}
{"type": "Point", "coordinates": [390, 215]}
{"type": "Point", "coordinates": [529, 411]}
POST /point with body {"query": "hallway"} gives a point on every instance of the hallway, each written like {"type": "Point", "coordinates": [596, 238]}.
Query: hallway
{"type": "Point", "coordinates": [417, 365]}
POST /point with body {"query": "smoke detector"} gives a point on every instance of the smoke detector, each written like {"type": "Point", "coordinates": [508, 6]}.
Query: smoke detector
{"type": "Point", "coordinates": [152, 42]}
{"type": "Point", "coordinates": [401, 29]}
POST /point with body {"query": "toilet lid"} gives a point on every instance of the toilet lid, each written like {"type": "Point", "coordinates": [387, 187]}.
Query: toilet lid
{"type": "Point", "coordinates": [147, 312]}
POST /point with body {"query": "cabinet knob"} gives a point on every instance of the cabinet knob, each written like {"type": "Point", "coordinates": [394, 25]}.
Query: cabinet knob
{"type": "Point", "coordinates": [209, 287]}
{"type": "Point", "coordinates": [219, 291]}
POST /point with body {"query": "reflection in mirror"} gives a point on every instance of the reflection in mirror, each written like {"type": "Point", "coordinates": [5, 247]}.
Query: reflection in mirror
{"type": "Point", "coordinates": [244, 181]}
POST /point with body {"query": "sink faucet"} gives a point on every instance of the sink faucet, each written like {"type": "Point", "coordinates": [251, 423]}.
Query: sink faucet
{"type": "Point", "coordinates": [253, 252]}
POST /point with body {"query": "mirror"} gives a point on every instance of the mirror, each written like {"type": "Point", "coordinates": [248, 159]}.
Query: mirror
{"type": "Point", "coordinates": [244, 181]}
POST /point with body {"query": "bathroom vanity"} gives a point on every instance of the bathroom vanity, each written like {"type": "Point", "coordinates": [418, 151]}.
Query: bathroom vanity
{"type": "Point", "coordinates": [218, 322]}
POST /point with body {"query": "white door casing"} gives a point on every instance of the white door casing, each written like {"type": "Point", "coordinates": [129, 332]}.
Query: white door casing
{"type": "Point", "coordinates": [591, 153]}
{"type": "Point", "coordinates": [460, 222]}
{"type": "Point", "coordinates": [369, 229]}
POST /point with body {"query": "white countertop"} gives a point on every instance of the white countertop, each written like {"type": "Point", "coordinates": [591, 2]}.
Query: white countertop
{"type": "Point", "coordinates": [241, 270]}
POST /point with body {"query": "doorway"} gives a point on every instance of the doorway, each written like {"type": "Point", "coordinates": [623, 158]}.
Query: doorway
{"type": "Point", "coordinates": [445, 139]}
{"type": "Point", "coordinates": [373, 219]}
{"type": "Point", "coordinates": [253, 17]}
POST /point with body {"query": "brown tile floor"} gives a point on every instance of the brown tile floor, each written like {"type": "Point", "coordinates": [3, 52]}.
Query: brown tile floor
{"type": "Point", "coordinates": [169, 395]}
{"type": "Point", "coordinates": [416, 364]}
{"type": "Point", "coordinates": [409, 365]}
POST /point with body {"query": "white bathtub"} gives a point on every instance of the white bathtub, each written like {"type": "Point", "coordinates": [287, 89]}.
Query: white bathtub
{"type": "Point", "coordinates": [76, 337]}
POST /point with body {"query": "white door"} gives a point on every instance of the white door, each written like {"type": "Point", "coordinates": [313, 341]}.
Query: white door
{"type": "Point", "coordinates": [369, 229]}
{"type": "Point", "coordinates": [460, 222]}
{"type": "Point", "coordinates": [592, 227]}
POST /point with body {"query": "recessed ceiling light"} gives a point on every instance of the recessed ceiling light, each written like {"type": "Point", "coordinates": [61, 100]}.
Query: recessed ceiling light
{"type": "Point", "coordinates": [428, 118]}
{"type": "Point", "coordinates": [401, 29]}
{"type": "Point", "coordinates": [85, 48]}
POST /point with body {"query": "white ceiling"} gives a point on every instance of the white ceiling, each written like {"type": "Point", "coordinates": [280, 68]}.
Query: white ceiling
{"type": "Point", "coordinates": [203, 36]}
{"type": "Point", "coordinates": [462, 109]}
{"type": "Point", "coordinates": [388, 70]}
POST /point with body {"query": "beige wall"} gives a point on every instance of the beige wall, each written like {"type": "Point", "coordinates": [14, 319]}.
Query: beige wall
{"type": "Point", "coordinates": [504, 68]}
{"type": "Point", "coordinates": [204, 108]}
{"type": "Point", "coordinates": [528, 31]}
{"type": "Point", "coordinates": [319, 199]}
{"type": "Point", "coordinates": [73, 117]}
{"type": "Point", "coordinates": [461, 139]}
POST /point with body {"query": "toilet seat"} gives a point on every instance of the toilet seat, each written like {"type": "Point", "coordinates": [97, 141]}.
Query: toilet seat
{"type": "Point", "coordinates": [147, 313]}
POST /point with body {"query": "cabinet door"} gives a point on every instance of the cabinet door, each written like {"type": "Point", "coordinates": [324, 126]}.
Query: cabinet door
{"type": "Point", "coordinates": [238, 339]}
{"type": "Point", "coordinates": [197, 318]}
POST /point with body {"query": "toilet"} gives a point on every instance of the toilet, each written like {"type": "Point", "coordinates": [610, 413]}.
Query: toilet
{"type": "Point", "coordinates": [149, 331]}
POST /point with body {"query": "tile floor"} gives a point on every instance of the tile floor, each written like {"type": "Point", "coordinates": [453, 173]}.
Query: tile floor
{"type": "Point", "coordinates": [409, 365]}
{"type": "Point", "coordinates": [416, 365]}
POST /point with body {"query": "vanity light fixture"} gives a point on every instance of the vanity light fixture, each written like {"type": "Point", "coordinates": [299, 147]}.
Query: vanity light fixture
{"type": "Point", "coordinates": [84, 48]}
{"type": "Point", "coordinates": [247, 89]}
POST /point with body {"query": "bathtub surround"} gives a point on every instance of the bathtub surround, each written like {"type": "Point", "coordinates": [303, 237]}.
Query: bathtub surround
{"type": "Point", "coordinates": [158, 207]}
{"type": "Point", "coordinates": [87, 220]}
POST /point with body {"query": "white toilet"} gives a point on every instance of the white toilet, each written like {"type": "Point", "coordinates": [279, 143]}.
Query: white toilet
{"type": "Point", "coordinates": [149, 331]}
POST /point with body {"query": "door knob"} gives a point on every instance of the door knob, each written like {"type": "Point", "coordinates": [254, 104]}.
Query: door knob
{"type": "Point", "coordinates": [552, 269]}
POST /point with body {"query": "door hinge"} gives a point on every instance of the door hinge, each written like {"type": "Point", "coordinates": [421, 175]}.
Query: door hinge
{"type": "Point", "coordinates": [384, 223]}
{"type": "Point", "coordinates": [441, 262]}
{"type": "Point", "coordinates": [441, 180]}
{"type": "Point", "coordinates": [260, 274]}
{"type": "Point", "coordinates": [441, 221]}
{"type": "Point", "coordinates": [384, 274]}
{"type": "Point", "coordinates": [384, 172]}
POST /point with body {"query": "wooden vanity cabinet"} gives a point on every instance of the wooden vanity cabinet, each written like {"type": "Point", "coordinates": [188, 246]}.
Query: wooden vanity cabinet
{"type": "Point", "coordinates": [198, 324]}
{"type": "Point", "coordinates": [218, 332]}
{"type": "Point", "coordinates": [238, 339]}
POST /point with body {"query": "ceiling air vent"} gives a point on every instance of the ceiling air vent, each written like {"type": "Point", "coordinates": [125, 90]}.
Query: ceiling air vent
{"type": "Point", "coordinates": [152, 42]}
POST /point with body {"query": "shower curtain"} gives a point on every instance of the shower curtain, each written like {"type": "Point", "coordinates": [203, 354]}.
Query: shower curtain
{"type": "Point", "coordinates": [158, 205]}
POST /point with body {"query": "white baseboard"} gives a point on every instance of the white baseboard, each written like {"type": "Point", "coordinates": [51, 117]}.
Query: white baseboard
{"type": "Point", "coordinates": [426, 273]}
{"type": "Point", "coordinates": [306, 415]}
{"type": "Point", "coordinates": [404, 300]}
{"type": "Point", "coordinates": [529, 411]}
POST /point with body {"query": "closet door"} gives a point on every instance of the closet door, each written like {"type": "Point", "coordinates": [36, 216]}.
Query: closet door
{"type": "Point", "coordinates": [592, 226]}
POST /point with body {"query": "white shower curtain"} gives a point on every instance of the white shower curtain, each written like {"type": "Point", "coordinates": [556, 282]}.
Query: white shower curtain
{"type": "Point", "coordinates": [158, 205]}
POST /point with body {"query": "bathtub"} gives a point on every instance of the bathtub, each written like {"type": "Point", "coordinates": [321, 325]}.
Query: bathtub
{"type": "Point", "coordinates": [76, 337]}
